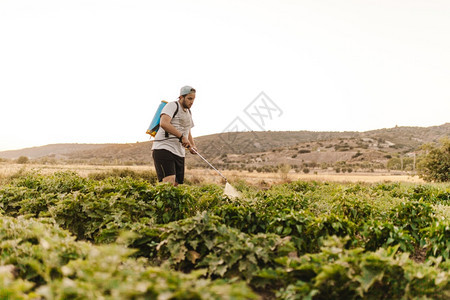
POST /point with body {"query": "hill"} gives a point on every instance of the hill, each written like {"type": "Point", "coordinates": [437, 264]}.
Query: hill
{"type": "Point", "coordinates": [54, 150]}
{"type": "Point", "coordinates": [253, 150]}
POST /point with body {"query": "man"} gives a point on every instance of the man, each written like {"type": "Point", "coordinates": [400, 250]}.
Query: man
{"type": "Point", "coordinates": [173, 136]}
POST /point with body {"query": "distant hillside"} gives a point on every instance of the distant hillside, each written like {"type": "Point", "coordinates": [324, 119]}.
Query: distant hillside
{"type": "Point", "coordinates": [299, 149]}
{"type": "Point", "coordinates": [406, 138]}
{"type": "Point", "coordinates": [411, 137]}
{"type": "Point", "coordinates": [55, 150]}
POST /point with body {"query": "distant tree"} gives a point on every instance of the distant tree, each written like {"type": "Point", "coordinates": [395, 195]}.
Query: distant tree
{"type": "Point", "coordinates": [23, 160]}
{"type": "Point", "coordinates": [435, 164]}
{"type": "Point", "coordinates": [408, 164]}
{"type": "Point", "coordinates": [284, 170]}
{"type": "Point", "coordinates": [394, 164]}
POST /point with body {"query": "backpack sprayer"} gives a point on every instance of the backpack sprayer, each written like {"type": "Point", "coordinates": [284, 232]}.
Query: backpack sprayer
{"type": "Point", "coordinates": [154, 124]}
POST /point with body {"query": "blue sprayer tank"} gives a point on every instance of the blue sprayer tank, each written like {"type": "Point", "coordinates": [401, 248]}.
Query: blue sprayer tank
{"type": "Point", "coordinates": [154, 124]}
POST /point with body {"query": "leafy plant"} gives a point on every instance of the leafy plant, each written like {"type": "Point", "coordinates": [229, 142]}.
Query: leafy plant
{"type": "Point", "coordinates": [202, 241]}
{"type": "Point", "coordinates": [376, 234]}
{"type": "Point", "coordinates": [149, 230]}
{"type": "Point", "coordinates": [50, 264]}
{"type": "Point", "coordinates": [12, 288]}
{"type": "Point", "coordinates": [438, 239]}
{"type": "Point", "coordinates": [413, 216]}
{"type": "Point", "coordinates": [340, 273]}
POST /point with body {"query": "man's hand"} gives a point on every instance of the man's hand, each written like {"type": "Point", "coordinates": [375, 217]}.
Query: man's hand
{"type": "Point", "coordinates": [193, 150]}
{"type": "Point", "coordinates": [185, 142]}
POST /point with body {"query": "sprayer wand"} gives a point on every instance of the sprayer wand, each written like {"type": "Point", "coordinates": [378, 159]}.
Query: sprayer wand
{"type": "Point", "coordinates": [209, 164]}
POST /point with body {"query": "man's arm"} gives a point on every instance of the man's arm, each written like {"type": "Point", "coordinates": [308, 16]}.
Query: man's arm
{"type": "Point", "coordinates": [168, 127]}
{"type": "Point", "coordinates": [192, 143]}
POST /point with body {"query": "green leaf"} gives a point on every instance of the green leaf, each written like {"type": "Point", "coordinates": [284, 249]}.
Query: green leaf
{"type": "Point", "coordinates": [368, 277]}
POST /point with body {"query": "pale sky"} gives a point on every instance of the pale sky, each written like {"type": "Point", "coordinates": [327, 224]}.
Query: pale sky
{"type": "Point", "coordinates": [94, 71]}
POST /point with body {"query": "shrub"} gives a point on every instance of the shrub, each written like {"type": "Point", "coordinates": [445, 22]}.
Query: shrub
{"type": "Point", "coordinates": [23, 160]}
{"type": "Point", "coordinates": [435, 165]}
{"type": "Point", "coordinates": [301, 151]}
{"type": "Point", "coordinates": [284, 171]}
{"type": "Point", "coordinates": [149, 176]}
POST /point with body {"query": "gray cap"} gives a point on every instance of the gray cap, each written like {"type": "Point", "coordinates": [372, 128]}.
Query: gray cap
{"type": "Point", "coordinates": [186, 90]}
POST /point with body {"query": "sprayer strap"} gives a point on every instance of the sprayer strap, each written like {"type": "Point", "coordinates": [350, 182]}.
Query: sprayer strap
{"type": "Point", "coordinates": [174, 114]}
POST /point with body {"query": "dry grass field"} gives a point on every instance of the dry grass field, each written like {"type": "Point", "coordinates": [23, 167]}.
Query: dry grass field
{"type": "Point", "coordinates": [349, 177]}
{"type": "Point", "coordinates": [210, 176]}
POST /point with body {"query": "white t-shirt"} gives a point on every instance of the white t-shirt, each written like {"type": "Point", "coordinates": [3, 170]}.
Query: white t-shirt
{"type": "Point", "coordinates": [182, 121]}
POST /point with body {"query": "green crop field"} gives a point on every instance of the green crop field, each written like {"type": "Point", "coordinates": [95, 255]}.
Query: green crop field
{"type": "Point", "coordinates": [63, 236]}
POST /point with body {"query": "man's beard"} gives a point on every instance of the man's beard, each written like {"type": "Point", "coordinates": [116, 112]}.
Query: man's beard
{"type": "Point", "coordinates": [184, 105]}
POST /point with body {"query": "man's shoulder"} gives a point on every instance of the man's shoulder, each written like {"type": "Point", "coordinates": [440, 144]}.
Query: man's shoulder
{"type": "Point", "coordinates": [170, 108]}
